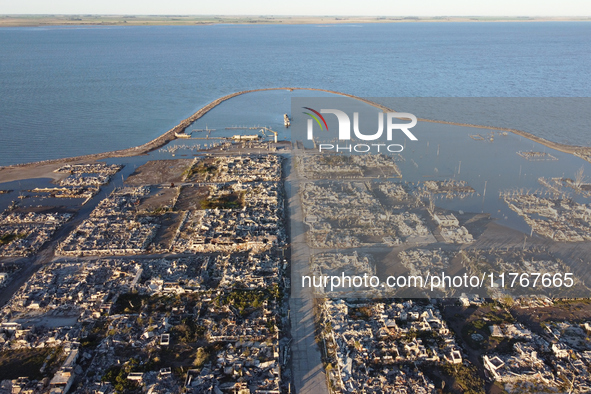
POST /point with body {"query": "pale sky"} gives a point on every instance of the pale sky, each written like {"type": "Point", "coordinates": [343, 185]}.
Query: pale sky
{"type": "Point", "coordinates": [303, 7]}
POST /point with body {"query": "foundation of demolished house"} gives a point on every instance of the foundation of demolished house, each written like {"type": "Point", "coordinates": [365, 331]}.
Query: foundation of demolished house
{"type": "Point", "coordinates": [557, 360]}
{"type": "Point", "coordinates": [214, 304]}
{"type": "Point", "coordinates": [138, 305]}
{"type": "Point", "coordinates": [23, 233]}
{"type": "Point", "coordinates": [555, 185]}
{"type": "Point", "coordinates": [326, 166]}
{"type": "Point", "coordinates": [450, 229]}
{"type": "Point", "coordinates": [114, 227]}
{"type": "Point", "coordinates": [73, 192]}
{"type": "Point", "coordinates": [536, 156]}
{"type": "Point", "coordinates": [373, 346]}
{"type": "Point", "coordinates": [562, 220]}
{"type": "Point", "coordinates": [347, 214]}
{"type": "Point", "coordinates": [345, 265]}
{"type": "Point", "coordinates": [93, 168]}
{"type": "Point", "coordinates": [424, 261]}
{"type": "Point", "coordinates": [449, 188]}
{"type": "Point", "coordinates": [82, 182]}
{"type": "Point", "coordinates": [221, 169]}
{"type": "Point", "coordinates": [119, 321]}
{"type": "Point", "coordinates": [251, 221]}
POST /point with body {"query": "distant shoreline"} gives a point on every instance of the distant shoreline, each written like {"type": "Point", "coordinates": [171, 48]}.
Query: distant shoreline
{"type": "Point", "coordinates": [193, 20]}
{"type": "Point", "coordinates": [579, 151]}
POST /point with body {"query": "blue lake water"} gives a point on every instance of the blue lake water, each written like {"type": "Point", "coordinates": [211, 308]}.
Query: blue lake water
{"type": "Point", "coordinates": [72, 91]}
{"type": "Point", "coordinates": [442, 151]}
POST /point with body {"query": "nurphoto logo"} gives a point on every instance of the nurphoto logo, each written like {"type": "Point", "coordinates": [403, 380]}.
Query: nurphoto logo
{"type": "Point", "coordinates": [344, 130]}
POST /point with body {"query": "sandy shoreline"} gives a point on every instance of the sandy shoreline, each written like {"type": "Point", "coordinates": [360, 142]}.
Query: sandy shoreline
{"type": "Point", "coordinates": [44, 169]}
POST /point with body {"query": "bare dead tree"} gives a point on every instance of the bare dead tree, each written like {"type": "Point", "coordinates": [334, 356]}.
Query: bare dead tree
{"type": "Point", "coordinates": [579, 177]}
{"type": "Point", "coordinates": [431, 203]}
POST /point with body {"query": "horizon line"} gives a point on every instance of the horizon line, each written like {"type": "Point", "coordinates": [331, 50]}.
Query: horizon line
{"type": "Point", "coordinates": [294, 15]}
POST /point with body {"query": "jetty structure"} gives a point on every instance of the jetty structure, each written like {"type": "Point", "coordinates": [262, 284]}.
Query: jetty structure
{"type": "Point", "coordinates": [179, 131]}
{"type": "Point", "coordinates": [231, 212]}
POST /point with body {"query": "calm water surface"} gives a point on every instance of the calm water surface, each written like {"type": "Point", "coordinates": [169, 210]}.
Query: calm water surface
{"type": "Point", "coordinates": [73, 91]}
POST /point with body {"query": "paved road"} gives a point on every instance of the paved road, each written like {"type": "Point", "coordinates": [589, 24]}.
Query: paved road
{"type": "Point", "coordinates": [308, 372]}
{"type": "Point", "coordinates": [307, 368]}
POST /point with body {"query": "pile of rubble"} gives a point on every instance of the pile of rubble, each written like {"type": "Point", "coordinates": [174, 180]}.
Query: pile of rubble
{"type": "Point", "coordinates": [253, 224]}
{"type": "Point", "coordinates": [562, 220]}
{"type": "Point", "coordinates": [320, 166]}
{"type": "Point", "coordinates": [114, 228]}
{"type": "Point", "coordinates": [23, 233]}
{"type": "Point", "coordinates": [375, 346]}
